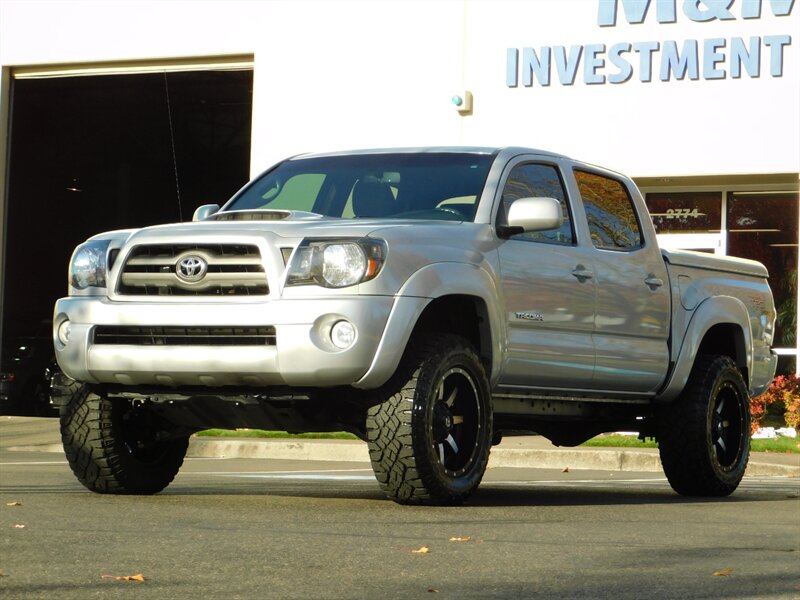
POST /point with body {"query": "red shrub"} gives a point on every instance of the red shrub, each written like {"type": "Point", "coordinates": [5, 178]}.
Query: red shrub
{"type": "Point", "coordinates": [784, 389]}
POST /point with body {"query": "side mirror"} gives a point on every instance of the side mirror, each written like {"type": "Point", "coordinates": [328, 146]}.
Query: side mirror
{"type": "Point", "coordinates": [205, 211]}
{"type": "Point", "coordinates": [533, 214]}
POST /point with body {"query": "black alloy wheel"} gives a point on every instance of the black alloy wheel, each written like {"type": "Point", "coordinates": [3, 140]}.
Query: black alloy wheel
{"type": "Point", "coordinates": [429, 437]}
{"type": "Point", "coordinates": [704, 435]}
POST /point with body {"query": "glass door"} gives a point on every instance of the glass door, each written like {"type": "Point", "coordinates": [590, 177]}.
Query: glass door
{"type": "Point", "coordinates": [764, 227]}
{"type": "Point", "coordinates": [761, 226]}
{"type": "Point", "coordinates": [688, 220]}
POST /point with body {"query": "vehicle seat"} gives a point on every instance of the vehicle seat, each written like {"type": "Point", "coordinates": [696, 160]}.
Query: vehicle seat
{"type": "Point", "coordinates": [373, 199]}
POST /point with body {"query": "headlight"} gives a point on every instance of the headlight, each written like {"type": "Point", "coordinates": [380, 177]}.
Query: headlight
{"type": "Point", "coordinates": [336, 263]}
{"type": "Point", "coordinates": [88, 266]}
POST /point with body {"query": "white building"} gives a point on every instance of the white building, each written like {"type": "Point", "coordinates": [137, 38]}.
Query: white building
{"type": "Point", "coordinates": [697, 100]}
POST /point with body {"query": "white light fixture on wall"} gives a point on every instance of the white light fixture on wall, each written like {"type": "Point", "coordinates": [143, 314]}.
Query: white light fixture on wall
{"type": "Point", "coordinates": [463, 102]}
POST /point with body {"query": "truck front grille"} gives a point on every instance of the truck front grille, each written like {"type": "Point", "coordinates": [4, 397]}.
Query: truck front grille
{"type": "Point", "coordinates": [193, 270]}
{"type": "Point", "coordinates": [184, 336]}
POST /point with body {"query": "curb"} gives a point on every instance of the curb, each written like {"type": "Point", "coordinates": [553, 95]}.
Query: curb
{"type": "Point", "coordinates": [321, 450]}
{"type": "Point", "coordinates": [346, 451]}
{"type": "Point", "coordinates": [55, 448]}
{"type": "Point", "coordinates": [612, 460]}
{"type": "Point", "coordinates": [601, 460]}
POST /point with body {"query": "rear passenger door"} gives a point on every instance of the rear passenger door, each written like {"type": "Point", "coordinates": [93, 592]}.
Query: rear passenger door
{"type": "Point", "coordinates": [633, 302]}
{"type": "Point", "coordinates": [548, 290]}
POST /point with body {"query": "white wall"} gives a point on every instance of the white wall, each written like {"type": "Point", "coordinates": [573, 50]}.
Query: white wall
{"type": "Point", "coordinates": [677, 127]}
{"type": "Point", "coordinates": [73, 31]}
{"type": "Point", "coordinates": [336, 75]}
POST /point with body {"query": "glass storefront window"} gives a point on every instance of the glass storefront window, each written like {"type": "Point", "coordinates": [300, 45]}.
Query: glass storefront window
{"type": "Point", "coordinates": [686, 212]}
{"type": "Point", "coordinates": [764, 227]}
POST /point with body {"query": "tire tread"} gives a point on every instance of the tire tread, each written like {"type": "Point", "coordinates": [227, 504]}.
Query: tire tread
{"type": "Point", "coordinates": [682, 433]}
{"type": "Point", "coordinates": [391, 427]}
{"type": "Point", "coordinates": [93, 449]}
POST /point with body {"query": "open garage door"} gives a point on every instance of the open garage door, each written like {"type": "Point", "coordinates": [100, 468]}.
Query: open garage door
{"type": "Point", "coordinates": [95, 149]}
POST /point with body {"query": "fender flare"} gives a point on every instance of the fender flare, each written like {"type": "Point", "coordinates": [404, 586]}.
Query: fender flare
{"type": "Point", "coordinates": [717, 310]}
{"type": "Point", "coordinates": [425, 285]}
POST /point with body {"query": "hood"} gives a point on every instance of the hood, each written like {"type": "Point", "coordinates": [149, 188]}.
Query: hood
{"type": "Point", "coordinates": [294, 225]}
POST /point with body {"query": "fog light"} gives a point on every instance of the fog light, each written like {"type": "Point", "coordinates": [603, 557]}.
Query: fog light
{"type": "Point", "coordinates": [63, 332]}
{"type": "Point", "coordinates": [343, 334]}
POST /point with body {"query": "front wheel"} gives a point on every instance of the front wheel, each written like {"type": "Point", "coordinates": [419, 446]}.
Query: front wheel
{"type": "Point", "coordinates": [429, 442]}
{"type": "Point", "coordinates": [704, 436]}
{"type": "Point", "coordinates": [115, 447]}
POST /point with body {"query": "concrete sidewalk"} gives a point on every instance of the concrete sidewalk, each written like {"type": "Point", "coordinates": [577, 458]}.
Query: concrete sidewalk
{"type": "Point", "coordinates": [41, 434]}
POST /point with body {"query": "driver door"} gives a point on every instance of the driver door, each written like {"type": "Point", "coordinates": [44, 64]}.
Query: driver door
{"type": "Point", "coordinates": [549, 293]}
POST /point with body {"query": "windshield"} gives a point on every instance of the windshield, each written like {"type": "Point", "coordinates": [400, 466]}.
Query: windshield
{"type": "Point", "coordinates": [443, 186]}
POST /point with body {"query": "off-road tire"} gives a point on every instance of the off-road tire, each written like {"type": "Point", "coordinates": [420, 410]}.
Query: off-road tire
{"type": "Point", "coordinates": [704, 436]}
{"type": "Point", "coordinates": [110, 450]}
{"type": "Point", "coordinates": [429, 438]}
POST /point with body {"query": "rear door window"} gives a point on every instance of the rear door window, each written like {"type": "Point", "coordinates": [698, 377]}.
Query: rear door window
{"type": "Point", "coordinates": [613, 223]}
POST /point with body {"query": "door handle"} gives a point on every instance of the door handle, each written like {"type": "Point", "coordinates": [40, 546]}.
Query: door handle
{"type": "Point", "coordinates": [654, 282]}
{"type": "Point", "coordinates": [581, 273]}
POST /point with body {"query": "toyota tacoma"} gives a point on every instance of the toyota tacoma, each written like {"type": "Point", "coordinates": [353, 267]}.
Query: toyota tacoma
{"type": "Point", "coordinates": [429, 301]}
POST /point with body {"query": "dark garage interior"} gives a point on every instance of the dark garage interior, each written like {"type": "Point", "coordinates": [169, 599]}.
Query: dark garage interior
{"type": "Point", "coordinates": [92, 153]}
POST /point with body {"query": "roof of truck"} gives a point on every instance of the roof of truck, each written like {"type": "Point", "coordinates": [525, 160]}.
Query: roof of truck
{"type": "Point", "coordinates": [435, 149]}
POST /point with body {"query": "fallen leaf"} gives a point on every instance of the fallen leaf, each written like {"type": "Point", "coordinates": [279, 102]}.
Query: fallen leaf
{"type": "Point", "coordinates": [137, 577]}
{"type": "Point", "coordinates": [460, 539]}
{"type": "Point", "coordinates": [722, 573]}
{"type": "Point", "coordinates": [433, 590]}
{"type": "Point", "coordinates": [421, 550]}
{"type": "Point", "coordinates": [13, 503]}
{"type": "Point", "coordinates": [18, 526]}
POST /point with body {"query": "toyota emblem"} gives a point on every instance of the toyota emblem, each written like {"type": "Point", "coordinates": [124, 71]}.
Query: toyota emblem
{"type": "Point", "coordinates": [191, 268]}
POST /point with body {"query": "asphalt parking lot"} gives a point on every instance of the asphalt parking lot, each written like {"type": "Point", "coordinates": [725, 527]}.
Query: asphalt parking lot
{"type": "Point", "coordinates": [278, 528]}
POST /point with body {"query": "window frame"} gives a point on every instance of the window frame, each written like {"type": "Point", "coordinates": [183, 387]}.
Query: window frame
{"type": "Point", "coordinates": [501, 210]}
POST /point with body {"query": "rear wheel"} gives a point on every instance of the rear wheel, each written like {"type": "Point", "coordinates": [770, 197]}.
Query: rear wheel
{"type": "Point", "coordinates": [704, 436]}
{"type": "Point", "coordinates": [115, 447]}
{"type": "Point", "coordinates": [429, 442]}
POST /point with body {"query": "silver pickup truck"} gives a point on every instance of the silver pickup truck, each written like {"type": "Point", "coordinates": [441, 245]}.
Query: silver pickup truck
{"type": "Point", "coordinates": [427, 300]}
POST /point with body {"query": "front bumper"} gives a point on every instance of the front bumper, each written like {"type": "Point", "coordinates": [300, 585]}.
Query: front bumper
{"type": "Point", "coordinates": [302, 354]}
